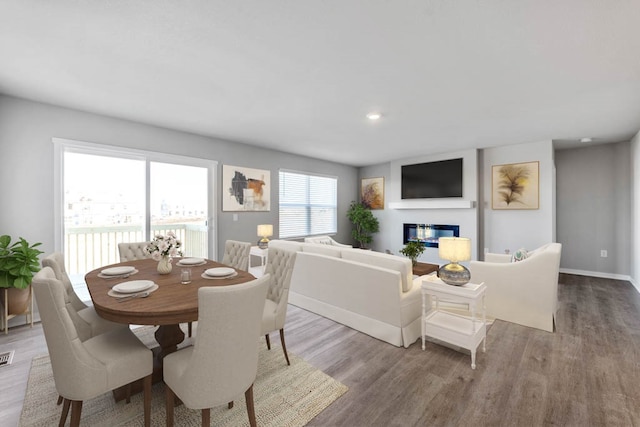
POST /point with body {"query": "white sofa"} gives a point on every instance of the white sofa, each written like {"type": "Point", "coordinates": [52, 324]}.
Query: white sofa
{"type": "Point", "coordinates": [523, 292]}
{"type": "Point", "coordinates": [371, 292]}
{"type": "Point", "coordinates": [325, 240]}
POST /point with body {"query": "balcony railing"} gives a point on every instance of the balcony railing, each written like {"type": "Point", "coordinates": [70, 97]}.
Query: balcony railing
{"type": "Point", "coordinates": [88, 248]}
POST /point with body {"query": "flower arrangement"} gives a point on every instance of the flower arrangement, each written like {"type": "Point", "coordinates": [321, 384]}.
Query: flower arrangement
{"type": "Point", "coordinates": [164, 246]}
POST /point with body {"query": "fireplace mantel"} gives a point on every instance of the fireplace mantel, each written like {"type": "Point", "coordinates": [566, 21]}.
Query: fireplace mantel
{"type": "Point", "coordinates": [432, 204]}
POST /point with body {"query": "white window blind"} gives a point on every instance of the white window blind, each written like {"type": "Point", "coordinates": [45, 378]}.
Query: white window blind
{"type": "Point", "coordinates": [308, 204]}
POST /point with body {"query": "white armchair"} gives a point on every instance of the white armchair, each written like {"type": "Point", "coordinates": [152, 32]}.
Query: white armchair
{"type": "Point", "coordinates": [523, 292]}
{"type": "Point", "coordinates": [325, 240]}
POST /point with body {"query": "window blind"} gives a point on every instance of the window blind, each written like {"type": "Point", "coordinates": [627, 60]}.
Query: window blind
{"type": "Point", "coordinates": [308, 204]}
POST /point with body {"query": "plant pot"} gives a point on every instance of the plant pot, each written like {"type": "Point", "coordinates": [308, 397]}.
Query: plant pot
{"type": "Point", "coordinates": [18, 300]}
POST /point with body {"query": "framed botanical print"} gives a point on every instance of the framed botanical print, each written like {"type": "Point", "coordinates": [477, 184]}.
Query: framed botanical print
{"type": "Point", "coordinates": [515, 186]}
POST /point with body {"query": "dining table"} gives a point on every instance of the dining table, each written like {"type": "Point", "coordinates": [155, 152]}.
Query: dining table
{"type": "Point", "coordinates": [169, 304]}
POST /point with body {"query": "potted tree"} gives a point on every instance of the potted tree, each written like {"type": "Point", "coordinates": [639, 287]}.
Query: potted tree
{"type": "Point", "coordinates": [18, 263]}
{"type": "Point", "coordinates": [365, 223]}
{"type": "Point", "coordinates": [413, 249]}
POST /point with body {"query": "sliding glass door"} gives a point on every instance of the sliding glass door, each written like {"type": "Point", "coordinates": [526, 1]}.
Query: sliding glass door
{"type": "Point", "coordinates": [109, 195]}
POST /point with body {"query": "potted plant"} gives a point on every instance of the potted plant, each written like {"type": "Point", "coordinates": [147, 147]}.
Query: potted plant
{"type": "Point", "coordinates": [365, 223]}
{"type": "Point", "coordinates": [18, 263]}
{"type": "Point", "coordinates": [413, 249]}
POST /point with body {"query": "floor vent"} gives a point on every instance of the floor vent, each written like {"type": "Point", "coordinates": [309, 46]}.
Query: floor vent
{"type": "Point", "coordinates": [6, 358]}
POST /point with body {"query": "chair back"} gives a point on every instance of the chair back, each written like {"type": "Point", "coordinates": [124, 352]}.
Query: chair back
{"type": "Point", "coordinates": [56, 262]}
{"type": "Point", "coordinates": [131, 251]}
{"type": "Point", "coordinates": [279, 267]}
{"type": "Point", "coordinates": [236, 254]}
{"type": "Point", "coordinates": [224, 361]}
{"type": "Point", "coordinates": [76, 373]}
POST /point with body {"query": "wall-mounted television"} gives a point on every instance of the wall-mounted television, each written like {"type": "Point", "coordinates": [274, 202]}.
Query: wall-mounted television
{"type": "Point", "coordinates": [432, 180]}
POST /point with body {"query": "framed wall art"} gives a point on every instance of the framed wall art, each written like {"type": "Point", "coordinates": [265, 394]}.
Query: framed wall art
{"type": "Point", "coordinates": [515, 186]}
{"type": "Point", "coordinates": [245, 189]}
{"type": "Point", "coordinates": [372, 192]}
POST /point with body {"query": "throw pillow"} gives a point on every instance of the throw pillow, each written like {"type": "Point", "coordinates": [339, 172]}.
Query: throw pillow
{"type": "Point", "coordinates": [519, 255]}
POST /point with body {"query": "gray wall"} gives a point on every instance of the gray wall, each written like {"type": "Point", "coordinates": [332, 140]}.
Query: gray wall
{"type": "Point", "coordinates": [594, 208]}
{"type": "Point", "coordinates": [26, 159]}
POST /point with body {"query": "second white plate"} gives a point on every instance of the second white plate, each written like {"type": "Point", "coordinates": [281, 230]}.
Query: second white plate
{"type": "Point", "coordinates": [219, 271]}
{"type": "Point", "coordinates": [133, 286]}
{"type": "Point", "coordinates": [117, 271]}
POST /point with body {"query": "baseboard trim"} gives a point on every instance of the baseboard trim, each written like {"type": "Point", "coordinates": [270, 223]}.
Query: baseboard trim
{"type": "Point", "coordinates": [597, 274]}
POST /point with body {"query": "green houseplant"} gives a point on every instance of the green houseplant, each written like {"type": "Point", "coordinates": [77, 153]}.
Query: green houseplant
{"type": "Point", "coordinates": [18, 262]}
{"type": "Point", "coordinates": [364, 222]}
{"type": "Point", "coordinates": [413, 249]}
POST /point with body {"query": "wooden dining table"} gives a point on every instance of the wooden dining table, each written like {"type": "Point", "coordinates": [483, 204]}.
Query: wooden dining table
{"type": "Point", "coordinates": [167, 307]}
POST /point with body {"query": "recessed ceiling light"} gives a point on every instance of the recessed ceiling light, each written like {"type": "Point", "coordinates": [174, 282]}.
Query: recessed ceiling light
{"type": "Point", "coordinates": [586, 139]}
{"type": "Point", "coordinates": [374, 116]}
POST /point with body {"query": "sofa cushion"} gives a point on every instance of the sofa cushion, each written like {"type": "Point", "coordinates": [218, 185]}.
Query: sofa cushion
{"type": "Point", "coordinates": [392, 262]}
{"type": "Point", "coordinates": [519, 255]}
{"type": "Point", "coordinates": [322, 250]}
{"type": "Point", "coordinates": [286, 245]}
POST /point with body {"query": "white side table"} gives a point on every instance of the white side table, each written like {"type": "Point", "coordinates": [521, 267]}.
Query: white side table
{"type": "Point", "coordinates": [260, 253]}
{"type": "Point", "coordinates": [452, 328]}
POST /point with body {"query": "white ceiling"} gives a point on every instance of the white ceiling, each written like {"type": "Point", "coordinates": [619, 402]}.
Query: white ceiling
{"type": "Point", "coordinates": [300, 76]}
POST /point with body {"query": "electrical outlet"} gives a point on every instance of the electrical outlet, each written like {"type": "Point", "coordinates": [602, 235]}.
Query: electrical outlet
{"type": "Point", "coordinates": [603, 253]}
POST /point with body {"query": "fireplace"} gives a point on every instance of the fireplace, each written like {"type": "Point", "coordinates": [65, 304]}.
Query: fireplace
{"type": "Point", "coordinates": [428, 234]}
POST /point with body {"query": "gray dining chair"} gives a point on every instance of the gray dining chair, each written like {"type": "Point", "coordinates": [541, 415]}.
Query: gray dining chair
{"type": "Point", "coordinates": [279, 268]}
{"type": "Point", "coordinates": [223, 362]}
{"type": "Point", "coordinates": [85, 369]}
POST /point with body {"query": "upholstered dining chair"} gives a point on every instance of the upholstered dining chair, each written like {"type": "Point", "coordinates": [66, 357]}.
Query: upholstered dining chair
{"type": "Point", "coordinates": [223, 362]}
{"type": "Point", "coordinates": [279, 268]}
{"type": "Point", "coordinates": [89, 323]}
{"type": "Point", "coordinates": [131, 251]}
{"type": "Point", "coordinates": [236, 254]}
{"type": "Point", "coordinates": [84, 369]}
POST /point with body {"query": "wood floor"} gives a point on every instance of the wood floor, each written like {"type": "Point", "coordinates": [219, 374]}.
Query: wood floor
{"type": "Point", "coordinates": [587, 373]}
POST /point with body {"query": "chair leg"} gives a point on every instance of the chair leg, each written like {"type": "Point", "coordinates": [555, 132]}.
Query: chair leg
{"type": "Point", "coordinates": [60, 399]}
{"type": "Point", "coordinates": [206, 417]}
{"type": "Point", "coordinates": [169, 403]}
{"type": "Point", "coordinates": [190, 328]}
{"type": "Point", "coordinates": [230, 405]}
{"type": "Point", "coordinates": [65, 412]}
{"type": "Point", "coordinates": [128, 393]}
{"type": "Point", "coordinates": [284, 347]}
{"type": "Point", "coordinates": [248, 396]}
{"type": "Point", "coordinates": [76, 412]}
{"type": "Point", "coordinates": [268, 342]}
{"type": "Point", "coordinates": [147, 400]}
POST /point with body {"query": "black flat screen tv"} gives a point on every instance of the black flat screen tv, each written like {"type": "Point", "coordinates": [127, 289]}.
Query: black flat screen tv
{"type": "Point", "coordinates": [432, 180]}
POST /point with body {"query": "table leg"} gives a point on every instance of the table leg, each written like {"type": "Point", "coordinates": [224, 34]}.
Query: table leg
{"type": "Point", "coordinates": [473, 359]}
{"type": "Point", "coordinates": [424, 305]}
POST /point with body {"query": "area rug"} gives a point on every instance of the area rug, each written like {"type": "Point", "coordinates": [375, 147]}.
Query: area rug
{"type": "Point", "coordinates": [283, 395]}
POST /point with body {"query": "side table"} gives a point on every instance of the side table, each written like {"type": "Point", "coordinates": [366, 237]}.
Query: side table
{"type": "Point", "coordinates": [260, 253]}
{"type": "Point", "coordinates": [451, 328]}
{"type": "Point", "coordinates": [422, 268]}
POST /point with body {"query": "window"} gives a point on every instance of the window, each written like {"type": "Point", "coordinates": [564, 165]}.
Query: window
{"type": "Point", "coordinates": [308, 204]}
{"type": "Point", "coordinates": [107, 195]}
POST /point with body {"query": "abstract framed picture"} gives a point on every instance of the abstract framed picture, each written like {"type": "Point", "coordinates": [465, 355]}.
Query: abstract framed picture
{"type": "Point", "coordinates": [372, 192]}
{"type": "Point", "coordinates": [245, 189]}
{"type": "Point", "coordinates": [515, 186]}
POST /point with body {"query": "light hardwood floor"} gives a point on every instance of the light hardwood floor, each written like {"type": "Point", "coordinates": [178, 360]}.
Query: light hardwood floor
{"type": "Point", "coordinates": [586, 373]}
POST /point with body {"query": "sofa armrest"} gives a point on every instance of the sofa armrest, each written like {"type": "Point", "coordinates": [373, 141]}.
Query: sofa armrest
{"type": "Point", "coordinates": [493, 257]}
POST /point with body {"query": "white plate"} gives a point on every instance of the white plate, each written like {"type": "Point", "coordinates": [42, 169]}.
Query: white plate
{"type": "Point", "coordinates": [219, 271]}
{"type": "Point", "coordinates": [191, 261]}
{"type": "Point", "coordinates": [117, 271]}
{"type": "Point", "coordinates": [204, 276]}
{"type": "Point", "coordinates": [133, 286]}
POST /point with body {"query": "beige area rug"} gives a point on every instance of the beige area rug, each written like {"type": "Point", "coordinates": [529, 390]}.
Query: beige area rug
{"type": "Point", "coordinates": [283, 395]}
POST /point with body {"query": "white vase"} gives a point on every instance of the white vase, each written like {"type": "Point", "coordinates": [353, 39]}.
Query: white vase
{"type": "Point", "coordinates": [164, 265]}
